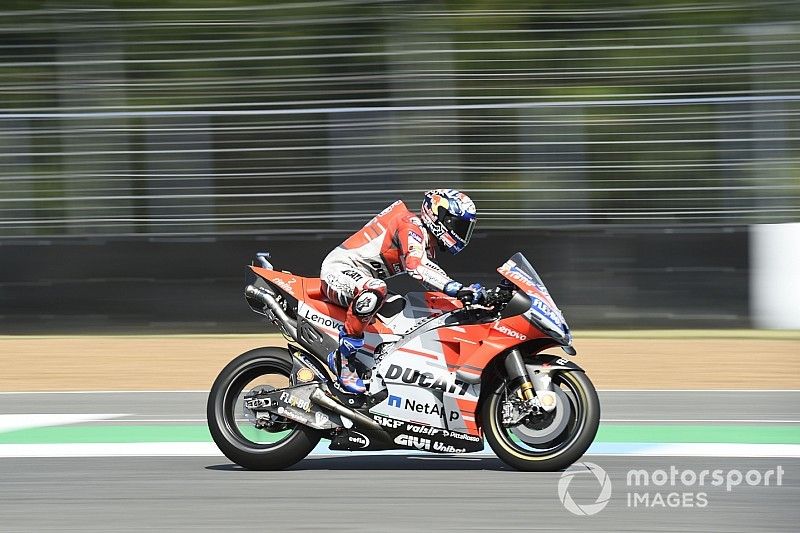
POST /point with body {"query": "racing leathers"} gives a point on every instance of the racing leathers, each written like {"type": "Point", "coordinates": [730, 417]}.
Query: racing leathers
{"type": "Point", "coordinates": [393, 242]}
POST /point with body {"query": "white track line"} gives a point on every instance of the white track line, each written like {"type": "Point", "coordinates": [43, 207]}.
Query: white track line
{"type": "Point", "coordinates": [117, 449]}
{"type": "Point", "coordinates": [706, 449]}
{"type": "Point", "coordinates": [151, 420]}
{"type": "Point", "coordinates": [15, 422]}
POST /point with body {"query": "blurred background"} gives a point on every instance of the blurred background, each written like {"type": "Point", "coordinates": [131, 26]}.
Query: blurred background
{"type": "Point", "coordinates": [644, 155]}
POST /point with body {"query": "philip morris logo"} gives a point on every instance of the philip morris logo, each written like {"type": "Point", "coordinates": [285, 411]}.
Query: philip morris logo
{"type": "Point", "coordinates": [583, 470]}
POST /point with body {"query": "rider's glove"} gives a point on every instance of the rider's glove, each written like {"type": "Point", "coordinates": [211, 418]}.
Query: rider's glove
{"type": "Point", "coordinates": [474, 294]}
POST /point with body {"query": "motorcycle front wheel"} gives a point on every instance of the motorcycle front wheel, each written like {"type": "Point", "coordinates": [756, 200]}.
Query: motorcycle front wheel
{"type": "Point", "coordinates": [544, 442]}
{"type": "Point", "coordinates": [283, 445]}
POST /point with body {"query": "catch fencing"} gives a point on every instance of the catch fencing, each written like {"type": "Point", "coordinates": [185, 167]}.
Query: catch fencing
{"type": "Point", "coordinates": [309, 117]}
{"type": "Point", "coordinates": [147, 151]}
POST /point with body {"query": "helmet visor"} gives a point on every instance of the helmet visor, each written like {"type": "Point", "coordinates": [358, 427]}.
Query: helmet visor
{"type": "Point", "coordinates": [460, 227]}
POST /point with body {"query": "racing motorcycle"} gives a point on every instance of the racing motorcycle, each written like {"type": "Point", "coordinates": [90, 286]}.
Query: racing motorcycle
{"type": "Point", "coordinates": [442, 374]}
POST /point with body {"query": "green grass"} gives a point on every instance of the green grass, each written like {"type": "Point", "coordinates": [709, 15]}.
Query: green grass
{"type": "Point", "coordinates": [648, 433]}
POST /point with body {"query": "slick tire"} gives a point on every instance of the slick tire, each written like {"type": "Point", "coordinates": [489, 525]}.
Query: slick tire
{"type": "Point", "coordinates": [221, 412]}
{"type": "Point", "coordinates": [570, 448]}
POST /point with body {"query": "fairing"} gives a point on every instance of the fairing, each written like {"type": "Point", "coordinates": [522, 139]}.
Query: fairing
{"type": "Point", "coordinates": [431, 353]}
{"type": "Point", "coordinates": [543, 312]}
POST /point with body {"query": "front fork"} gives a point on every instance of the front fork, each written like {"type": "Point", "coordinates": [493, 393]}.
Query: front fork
{"type": "Point", "coordinates": [538, 386]}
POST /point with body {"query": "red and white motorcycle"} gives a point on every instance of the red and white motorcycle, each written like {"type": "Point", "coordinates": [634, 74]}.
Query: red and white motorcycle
{"type": "Point", "coordinates": [441, 376]}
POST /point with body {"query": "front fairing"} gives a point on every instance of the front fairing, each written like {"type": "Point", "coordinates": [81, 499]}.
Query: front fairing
{"type": "Point", "coordinates": [543, 312]}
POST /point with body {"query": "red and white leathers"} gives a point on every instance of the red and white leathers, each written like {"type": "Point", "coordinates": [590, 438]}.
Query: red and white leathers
{"type": "Point", "coordinates": [393, 242]}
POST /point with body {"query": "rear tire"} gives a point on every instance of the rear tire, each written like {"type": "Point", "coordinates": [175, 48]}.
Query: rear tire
{"type": "Point", "coordinates": [566, 450]}
{"type": "Point", "coordinates": [221, 411]}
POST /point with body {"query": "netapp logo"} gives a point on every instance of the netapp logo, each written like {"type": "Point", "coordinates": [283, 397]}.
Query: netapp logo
{"type": "Point", "coordinates": [426, 379]}
{"type": "Point", "coordinates": [321, 319]}
{"type": "Point", "coordinates": [422, 407]}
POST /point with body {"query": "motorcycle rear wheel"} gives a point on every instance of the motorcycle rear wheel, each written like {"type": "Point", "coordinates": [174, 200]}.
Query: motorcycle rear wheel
{"type": "Point", "coordinates": [564, 449]}
{"type": "Point", "coordinates": [221, 409]}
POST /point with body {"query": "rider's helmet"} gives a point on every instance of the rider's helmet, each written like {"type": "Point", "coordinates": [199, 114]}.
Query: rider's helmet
{"type": "Point", "coordinates": [450, 216]}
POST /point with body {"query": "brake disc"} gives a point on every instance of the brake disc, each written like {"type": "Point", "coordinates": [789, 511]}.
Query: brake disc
{"type": "Point", "coordinates": [545, 427]}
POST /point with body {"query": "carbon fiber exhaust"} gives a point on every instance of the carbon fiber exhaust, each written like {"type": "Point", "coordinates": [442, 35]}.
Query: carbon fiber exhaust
{"type": "Point", "coordinates": [267, 298]}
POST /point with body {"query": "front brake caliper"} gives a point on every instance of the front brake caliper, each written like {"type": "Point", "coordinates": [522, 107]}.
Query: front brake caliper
{"type": "Point", "coordinates": [515, 410]}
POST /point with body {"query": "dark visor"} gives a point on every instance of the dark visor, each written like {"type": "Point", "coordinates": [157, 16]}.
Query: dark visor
{"type": "Point", "coordinates": [459, 226]}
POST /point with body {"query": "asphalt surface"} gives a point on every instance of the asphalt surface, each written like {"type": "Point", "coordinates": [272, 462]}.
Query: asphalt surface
{"type": "Point", "coordinates": [368, 494]}
{"type": "Point", "coordinates": [389, 493]}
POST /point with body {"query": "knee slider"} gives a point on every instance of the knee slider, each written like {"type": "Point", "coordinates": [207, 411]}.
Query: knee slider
{"type": "Point", "coordinates": [370, 298]}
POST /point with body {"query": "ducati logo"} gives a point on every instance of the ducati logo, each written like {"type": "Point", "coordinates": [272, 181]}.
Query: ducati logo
{"type": "Point", "coordinates": [427, 380]}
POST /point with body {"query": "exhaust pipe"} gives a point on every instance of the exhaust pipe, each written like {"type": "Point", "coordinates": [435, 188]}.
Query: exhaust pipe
{"type": "Point", "coordinates": [268, 299]}
{"type": "Point", "coordinates": [322, 399]}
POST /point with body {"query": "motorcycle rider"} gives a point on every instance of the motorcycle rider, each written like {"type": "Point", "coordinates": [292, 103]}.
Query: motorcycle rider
{"type": "Point", "coordinates": [393, 242]}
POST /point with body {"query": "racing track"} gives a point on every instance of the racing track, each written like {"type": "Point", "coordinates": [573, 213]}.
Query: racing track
{"type": "Point", "coordinates": [399, 492]}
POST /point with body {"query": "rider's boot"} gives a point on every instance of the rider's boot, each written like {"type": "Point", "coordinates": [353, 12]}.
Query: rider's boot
{"type": "Point", "coordinates": [340, 362]}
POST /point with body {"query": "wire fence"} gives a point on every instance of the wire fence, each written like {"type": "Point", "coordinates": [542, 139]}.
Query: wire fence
{"type": "Point", "coordinates": [312, 116]}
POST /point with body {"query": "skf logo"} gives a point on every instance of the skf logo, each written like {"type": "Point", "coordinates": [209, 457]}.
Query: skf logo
{"type": "Point", "coordinates": [505, 330]}
{"type": "Point", "coordinates": [388, 422]}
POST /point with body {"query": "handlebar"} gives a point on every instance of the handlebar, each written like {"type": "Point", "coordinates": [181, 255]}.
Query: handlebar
{"type": "Point", "coordinates": [492, 298]}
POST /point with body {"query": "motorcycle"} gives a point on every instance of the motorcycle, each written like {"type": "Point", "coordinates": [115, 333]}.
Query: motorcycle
{"type": "Point", "coordinates": [442, 374]}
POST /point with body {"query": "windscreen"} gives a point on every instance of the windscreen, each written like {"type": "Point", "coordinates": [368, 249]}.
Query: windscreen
{"type": "Point", "coordinates": [519, 270]}
{"type": "Point", "coordinates": [543, 312]}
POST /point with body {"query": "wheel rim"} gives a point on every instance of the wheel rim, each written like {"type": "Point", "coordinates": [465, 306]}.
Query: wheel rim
{"type": "Point", "coordinates": [242, 431]}
{"type": "Point", "coordinates": [573, 391]}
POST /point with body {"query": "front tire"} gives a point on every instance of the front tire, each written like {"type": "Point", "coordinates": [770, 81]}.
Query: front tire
{"type": "Point", "coordinates": [562, 450]}
{"type": "Point", "coordinates": [222, 406]}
